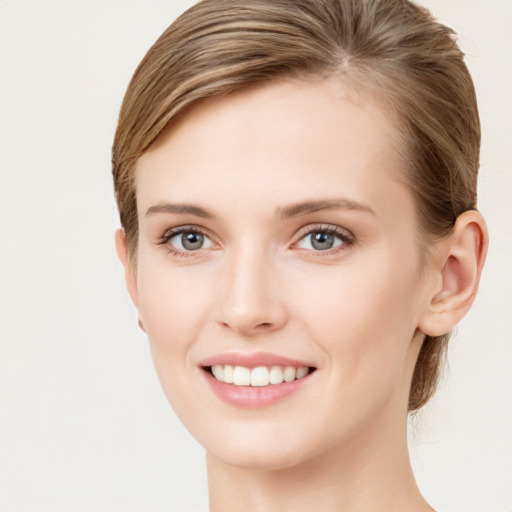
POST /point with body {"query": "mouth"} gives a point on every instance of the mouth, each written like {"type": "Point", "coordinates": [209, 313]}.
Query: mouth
{"type": "Point", "coordinates": [259, 376]}
{"type": "Point", "coordinates": [256, 379]}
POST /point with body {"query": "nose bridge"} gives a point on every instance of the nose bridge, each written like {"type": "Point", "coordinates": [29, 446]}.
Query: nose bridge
{"type": "Point", "coordinates": [249, 299]}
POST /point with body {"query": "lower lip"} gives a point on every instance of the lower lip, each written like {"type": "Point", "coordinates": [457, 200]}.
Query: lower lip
{"type": "Point", "coordinates": [254, 396]}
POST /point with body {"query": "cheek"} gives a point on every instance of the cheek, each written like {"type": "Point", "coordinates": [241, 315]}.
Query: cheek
{"type": "Point", "coordinates": [171, 296]}
{"type": "Point", "coordinates": [171, 307]}
{"type": "Point", "coordinates": [363, 324]}
{"type": "Point", "coordinates": [362, 317]}
{"type": "Point", "coordinates": [173, 304]}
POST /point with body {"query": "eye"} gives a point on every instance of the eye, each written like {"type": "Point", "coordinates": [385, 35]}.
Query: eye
{"type": "Point", "coordinates": [186, 240]}
{"type": "Point", "coordinates": [324, 239]}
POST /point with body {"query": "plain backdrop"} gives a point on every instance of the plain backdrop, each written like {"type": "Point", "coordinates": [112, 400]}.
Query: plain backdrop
{"type": "Point", "coordinates": [84, 425]}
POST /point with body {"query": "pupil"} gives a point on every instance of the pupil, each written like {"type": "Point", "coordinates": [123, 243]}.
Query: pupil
{"type": "Point", "coordinates": [192, 241]}
{"type": "Point", "coordinates": [322, 241]}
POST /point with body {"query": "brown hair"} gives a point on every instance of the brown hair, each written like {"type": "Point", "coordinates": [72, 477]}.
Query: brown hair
{"type": "Point", "coordinates": [393, 47]}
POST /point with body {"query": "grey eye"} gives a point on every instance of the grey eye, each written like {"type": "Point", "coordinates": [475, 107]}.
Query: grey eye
{"type": "Point", "coordinates": [320, 241]}
{"type": "Point", "coordinates": [190, 241]}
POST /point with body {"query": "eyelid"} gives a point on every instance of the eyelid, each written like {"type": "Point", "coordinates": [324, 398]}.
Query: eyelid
{"type": "Point", "coordinates": [177, 230]}
{"type": "Point", "coordinates": [345, 235]}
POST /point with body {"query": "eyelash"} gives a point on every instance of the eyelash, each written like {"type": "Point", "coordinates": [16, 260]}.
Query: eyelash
{"type": "Point", "coordinates": [346, 238]}
{"type": "Point", "coordinates": [171, 233]}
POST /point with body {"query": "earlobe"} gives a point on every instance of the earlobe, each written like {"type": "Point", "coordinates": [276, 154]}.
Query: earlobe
{"type": "Point", "coordinates": [122, 253]}
{"type": "Point", "coordinates": [458, 267]}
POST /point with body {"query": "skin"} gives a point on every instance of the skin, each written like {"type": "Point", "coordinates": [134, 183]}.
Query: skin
{"type": "Point", "coordinates": [358, 312]}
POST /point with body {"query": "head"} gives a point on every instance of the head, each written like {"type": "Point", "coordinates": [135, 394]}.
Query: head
{"type": "Point", "coordinates": [390, 59]}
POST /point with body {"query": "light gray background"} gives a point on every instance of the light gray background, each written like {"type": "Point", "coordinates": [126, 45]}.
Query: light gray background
{"type": "Point", "coordinates": [84, 425]}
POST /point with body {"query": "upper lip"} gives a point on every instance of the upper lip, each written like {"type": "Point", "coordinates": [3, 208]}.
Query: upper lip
{"type": "Point", "coordinates": [252, 360]}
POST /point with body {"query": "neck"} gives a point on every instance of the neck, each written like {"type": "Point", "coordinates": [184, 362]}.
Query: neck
{"type": "Point", "coordinates": [371, 472]}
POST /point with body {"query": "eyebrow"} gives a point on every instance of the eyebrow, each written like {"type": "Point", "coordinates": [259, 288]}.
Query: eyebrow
{"type": "Point", "coordinates": [297, 209]}
{"type": "Point", "coordinates": [284, 213]}
{"type": "Point", "coordinates": [180, 209]}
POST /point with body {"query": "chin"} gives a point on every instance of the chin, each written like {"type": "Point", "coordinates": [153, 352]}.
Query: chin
{"type": "Point", "coordinates": [258, 458]}
{"type": "Point", "coordinates": [258, 447]}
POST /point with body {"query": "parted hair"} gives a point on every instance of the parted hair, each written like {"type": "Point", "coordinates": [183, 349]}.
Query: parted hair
{"type": "Point", "coordinates": [393, 48]}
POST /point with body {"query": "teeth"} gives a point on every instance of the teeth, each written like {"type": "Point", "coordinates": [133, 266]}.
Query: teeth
{"type": "Point", "coordinates": [301, 372]}
{"type": "Point", "coordinates": [276, 375]}
{"type": "Point", "coordinates": [218, 372]}
{"type": "Point", "coordinates": [242, 376]}
{"type": "Point", "coordinates": [259, 376]}
{"type": "Point", "coordinates": [289, 374]}
{"type": "Point", "coordinates": [229, 372]}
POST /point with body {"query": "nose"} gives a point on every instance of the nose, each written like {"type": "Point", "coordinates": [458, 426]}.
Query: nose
{"type": "Point", "coordinates": [251, 300]}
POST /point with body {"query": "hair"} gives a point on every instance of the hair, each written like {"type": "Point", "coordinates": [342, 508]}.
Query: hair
{"type": "Point", "coordinates": [394, 48]}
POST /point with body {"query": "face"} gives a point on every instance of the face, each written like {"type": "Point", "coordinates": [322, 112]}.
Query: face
{"type": "Point", "coordinates": [278, 249]}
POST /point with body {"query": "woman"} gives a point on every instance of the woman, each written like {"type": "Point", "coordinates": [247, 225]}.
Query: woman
{"type": "Point", "coordinates": [297, 188]}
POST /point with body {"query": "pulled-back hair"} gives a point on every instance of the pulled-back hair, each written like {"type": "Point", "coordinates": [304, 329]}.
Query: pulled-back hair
{"type": "Point", "coordinates": [394, 48]}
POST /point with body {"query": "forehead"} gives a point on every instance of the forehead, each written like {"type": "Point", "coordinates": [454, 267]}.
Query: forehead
{"type": "Point", "coordinates": [283, 138]}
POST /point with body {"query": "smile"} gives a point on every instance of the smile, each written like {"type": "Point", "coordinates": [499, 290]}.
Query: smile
{"type": "Point", "coordinates": [259, 376]}
{"type": "Point", "coordinates": [256, 379]}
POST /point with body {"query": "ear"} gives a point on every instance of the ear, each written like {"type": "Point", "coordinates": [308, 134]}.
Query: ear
{"type": "Point", "coordinates": [457, 269]}
{"type": "Point", "coordinates": [122, 253]}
